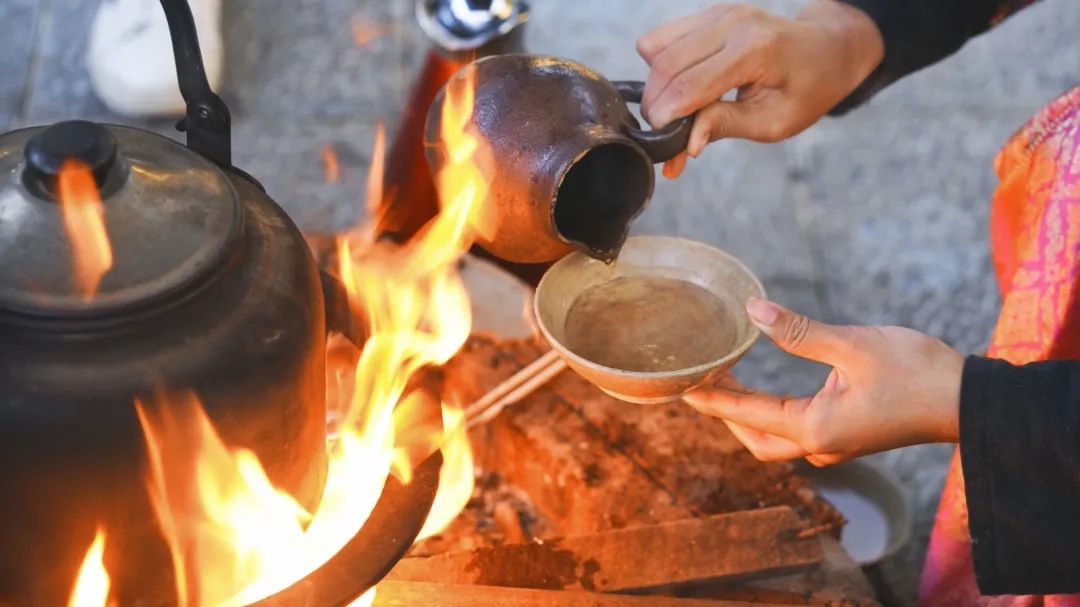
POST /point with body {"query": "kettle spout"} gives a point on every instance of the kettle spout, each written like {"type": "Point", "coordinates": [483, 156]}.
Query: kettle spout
{"type": "Point", "coordinates": [600, 196]}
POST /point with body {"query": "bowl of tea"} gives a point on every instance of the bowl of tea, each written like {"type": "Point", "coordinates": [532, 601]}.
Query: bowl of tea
{"type": "Point", "coordinates": [667, 316]}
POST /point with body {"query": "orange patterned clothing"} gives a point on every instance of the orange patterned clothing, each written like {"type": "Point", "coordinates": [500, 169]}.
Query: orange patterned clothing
{"type": "Point", "coordinates": [1035, 237]}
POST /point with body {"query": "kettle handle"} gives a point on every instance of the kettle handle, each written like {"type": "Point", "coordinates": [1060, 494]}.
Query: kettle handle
{"type": "Point", "coordinates": [207, 122]}
{"type": "Point", "coordinates": [662, 144]}
{"type": "Point", "coordinates": [339, 318]}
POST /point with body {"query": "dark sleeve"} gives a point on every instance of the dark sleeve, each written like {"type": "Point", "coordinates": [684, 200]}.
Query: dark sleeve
{"type": "Point", "coordinates": [1020, 450]}
{"type": "Point", "coordinates": [918, 33]}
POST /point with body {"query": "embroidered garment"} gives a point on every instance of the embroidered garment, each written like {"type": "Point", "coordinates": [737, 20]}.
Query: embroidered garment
{"type": "Point", "coordinates": [1035, 237]}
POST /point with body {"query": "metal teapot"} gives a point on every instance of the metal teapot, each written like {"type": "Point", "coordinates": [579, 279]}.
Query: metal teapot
{"type": "Point", "coordinates": [212, 289]}
{"type": "Point", "coordinates": [571, 167]}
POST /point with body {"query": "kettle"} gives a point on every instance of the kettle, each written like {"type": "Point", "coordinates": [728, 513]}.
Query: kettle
{"type": "Point", "coordinates": [212, 289]}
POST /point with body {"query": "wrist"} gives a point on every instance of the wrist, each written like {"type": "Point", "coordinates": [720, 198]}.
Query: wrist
{"type": "Point", "coordinates": [947, 386]}
{"type": "Point", "coordinates": [862, 47]}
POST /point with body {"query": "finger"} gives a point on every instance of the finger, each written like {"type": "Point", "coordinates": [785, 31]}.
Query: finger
{"type": "Point", "coordinates": [674, 167]}
{"type": "Point", "coordinates": [697, 87]}
{"type": "Point", "coordinates": [825, 460]}
{"type": "Point", "coordinates": [653, 43]}
{"type": "Point", "coordinates": [690, 50]}
{"type": "Point", "coordinates": [760, 120]}
{"type": "Point", "coordinates": [796, 334]}
{"type": "Point", "coordinates": [756, 410]}
{"type": "Point", "coordinates": [729, 383]}
{"type": "Point", "coordinates": [766, 447]}
{"type": "Point", "coordinates": [700, 136]}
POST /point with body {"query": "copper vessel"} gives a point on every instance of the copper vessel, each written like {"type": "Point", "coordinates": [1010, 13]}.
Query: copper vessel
{"type": "Point", "coordinates": [570, 166]}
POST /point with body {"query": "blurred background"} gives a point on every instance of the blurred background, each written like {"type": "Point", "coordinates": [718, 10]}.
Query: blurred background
{"type": "Point", "coordinates": [878, 217]}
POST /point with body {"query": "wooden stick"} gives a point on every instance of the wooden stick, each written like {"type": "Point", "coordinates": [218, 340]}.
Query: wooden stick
{"type": "Point", "coordinates": [414, 594]}
{"type": "Point", "coordinates": [515, 388]}
{"type": "Point", "coordinates": [726, 546]}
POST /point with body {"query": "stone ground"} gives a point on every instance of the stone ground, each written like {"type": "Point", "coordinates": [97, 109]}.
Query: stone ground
{"type": "Point", "coordinates": [879, 217]}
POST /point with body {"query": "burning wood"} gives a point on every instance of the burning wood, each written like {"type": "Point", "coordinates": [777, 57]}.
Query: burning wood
{"type": "Point", "coordinates": [411, 594]}
{"type": "Point", "coordinates": [592, 468]}
{"type": "Point", "coordinates": [720, 547]}
{"type": "Point", "coordinates": [497, 514]}
{"type": "Point", "coordinates": [569, 443]}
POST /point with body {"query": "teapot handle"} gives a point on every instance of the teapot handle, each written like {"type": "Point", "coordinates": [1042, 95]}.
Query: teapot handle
{"type": "Point", "coordinates": [662, 144]}
{"type": "Point", "coordinates": [207, 123]}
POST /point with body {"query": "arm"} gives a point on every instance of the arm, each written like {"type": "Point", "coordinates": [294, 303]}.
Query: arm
{"type": "Point", "coordinates": [788, 73]}
{"type": "Point", "coordinates": [1020, 449]}
{"type": "Point", "coordinates": [918, 33]}
{"type": "Point", "coordinates": [1018, 429]}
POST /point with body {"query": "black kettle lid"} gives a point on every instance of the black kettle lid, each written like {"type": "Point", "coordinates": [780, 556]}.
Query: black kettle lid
{"type": "Point", "coordinates": [97, 220]}
{"type": "Point", "coordinates": [100, 219]}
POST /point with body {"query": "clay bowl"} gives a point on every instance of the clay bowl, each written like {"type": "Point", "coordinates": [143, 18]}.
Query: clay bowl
{"type": "Point", "coordinates": [726, 280]}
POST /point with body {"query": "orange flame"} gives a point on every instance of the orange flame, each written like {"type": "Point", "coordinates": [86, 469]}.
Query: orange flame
{"type": "Point", "coordinates": [365, 600]}
{"type": "Point", "coordinates": [331, 166]}
{"type": "Point", "coordinates": [234, 537]}
{"type": "Point", "coordinates": [92, 583]}
{"type": "Point", "coordinates": [217, 508]}
{"type": "Point", "coordinates": [378, 168]}
{"type": "Point", "coordinates": [456, 478]}
{"type": "Point", "coordinates": [84, 222]}
{"type": "Point", "coordinates": [365, 32]}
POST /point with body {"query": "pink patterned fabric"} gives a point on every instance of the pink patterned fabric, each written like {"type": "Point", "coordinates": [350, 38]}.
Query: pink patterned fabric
{"type": "Point", "coordinates": [1035, 237]}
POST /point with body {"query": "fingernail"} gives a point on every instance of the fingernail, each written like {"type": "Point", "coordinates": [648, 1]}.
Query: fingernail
{"type": "Point", "coordinates": [697, 146]}
{"type": "Point", "coordinates": [762, 312]}
{"type": "Point", "coordinates": [658, 117]}
{"type": "Point", "coordinates": [693, 398]}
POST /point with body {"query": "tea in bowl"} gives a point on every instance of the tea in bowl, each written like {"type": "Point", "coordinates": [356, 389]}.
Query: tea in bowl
{"type": "Point", "coordinates": [668, 316]}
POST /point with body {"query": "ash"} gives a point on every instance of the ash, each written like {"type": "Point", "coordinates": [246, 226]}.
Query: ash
{"type": "Point", "coordinates": [498, 513]}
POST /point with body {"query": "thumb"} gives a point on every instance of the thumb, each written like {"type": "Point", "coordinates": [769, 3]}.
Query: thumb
{"type": "Point", "coordinates": [741, 120]}
{"type": "Point", "coordinates": [798, 335]}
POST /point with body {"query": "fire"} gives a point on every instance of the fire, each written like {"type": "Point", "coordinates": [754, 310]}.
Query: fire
{"type": "Point", "coordinates": [84, 222]}
{"type": "Point", "coordinates": [331, 166]}
{"type": "Point", "coordinates": [417, 286]}
{"type": "Point", "coordinates": [456, 479]}
{"type": "Point", "coordinates": [92, 583]}
{"type": "Point", "coordinates": [233, 536]}
{"type": "Point", "coordinates": [378, 168]}
{"type": "Point", "coordinates": [365, 32]}
{"type": "Point", "coordinates": [365, 600]}
{"type": "Point", "coordinates": [229, 530]}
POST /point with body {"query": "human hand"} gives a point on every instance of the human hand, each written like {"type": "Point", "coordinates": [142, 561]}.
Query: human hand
{"type": "Point", "coordinates": [788, 72]}
{"type": "Point", "coordinates": [890, 387]}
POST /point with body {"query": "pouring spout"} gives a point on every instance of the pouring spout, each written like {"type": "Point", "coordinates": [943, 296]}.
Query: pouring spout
{"type": "Point", "coordinates": [606, 255]}
{"type": "Point", "coordinates": [600, 196]}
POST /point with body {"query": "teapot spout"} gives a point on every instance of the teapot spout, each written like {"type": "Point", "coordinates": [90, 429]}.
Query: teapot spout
{"type": "Point", "coordinates": [600, 195]}
{"type": "Point", "coordinates": [607, 255]}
